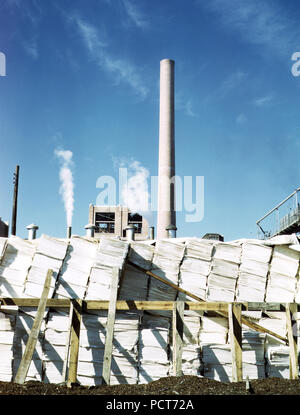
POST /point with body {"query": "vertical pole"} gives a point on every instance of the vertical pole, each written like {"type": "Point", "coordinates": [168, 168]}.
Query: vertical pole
{"type": "Point", "coordinates": [291, 325]}
{"type": "Point", "coordinates": [34, 334]}
{"type": "Point", "coordinates": [75, 335]}
{"type": "Point", "coordinates": [178, 322]}
{"type": "Point", "coordinates": [235, 330]}
{"type": "Point", "coordinates": [15, 201]}
{"type": "Point", "coordinates": [110, 327]}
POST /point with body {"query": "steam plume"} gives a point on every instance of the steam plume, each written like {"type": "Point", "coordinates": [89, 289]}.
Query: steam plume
{"type": "Point", "coordinates": [66, 189]}
{"type": "Point", "coordinates": [136, 195]}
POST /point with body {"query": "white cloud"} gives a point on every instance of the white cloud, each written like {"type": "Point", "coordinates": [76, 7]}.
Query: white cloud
{"type": "Point", "coordinates": [121, 69]}
{"type": "Point", "coordinates": [184, 105]}
{"type": "Point", "coordinates": [241, 119]}
{"type": "Point", "coordinates": [232, 82]}
{"type": "Point", "coordinates": [262, 23]}
{"type": "Point", "coordinates": [31, 48]}
{"type": "Point", "coordinates": [263, 101]}
{"type": "Point", "coordinates": [135, 14]}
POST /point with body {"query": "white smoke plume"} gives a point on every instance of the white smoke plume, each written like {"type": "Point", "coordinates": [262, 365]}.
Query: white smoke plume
{"type": "Point", "coordinates": [66, 189]}
{"type": "Point", "coordinates": [135, 194]}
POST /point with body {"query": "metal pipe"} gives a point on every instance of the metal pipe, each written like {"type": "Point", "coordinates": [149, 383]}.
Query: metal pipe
{"type": "Point", "coordinates": [32, 231]}
{"type": "Point", "coordinates": [15, 201]}
{"type": "Point", "coordinates": [90, 230]}
{"type": "Point", "coordinates": [69, 232]}
{"type": "Point", "coordinates": [171, 229]}
{"type": "Point", "coordinates": [130, 232]}
{"type": "Point", "coordinates": [151, 232]}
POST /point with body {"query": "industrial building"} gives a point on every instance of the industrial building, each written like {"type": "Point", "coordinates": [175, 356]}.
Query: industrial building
{"type": "Point", "coordinates": [3, 229]}
{"type": "Point", "coordinates": [113, 221]}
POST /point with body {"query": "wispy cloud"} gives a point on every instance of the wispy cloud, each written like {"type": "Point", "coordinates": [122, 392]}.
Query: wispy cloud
{"type": "Point", "coordinates": [241, 119]}
{"type": "Point", "coordinates": [263, 23]}
{"type": "Point", "coordinates": [184, 105]}
{"type": "Point", "coordinates": [31, 48]}
{"type": "Point", "coordinates": [230, 84]}
{"type": "Point", "coordinates": [135, 14]}
{"type": "Point", "coordinates": [121, 69]}
{"type": "Point", "coordinates": [264, 101]}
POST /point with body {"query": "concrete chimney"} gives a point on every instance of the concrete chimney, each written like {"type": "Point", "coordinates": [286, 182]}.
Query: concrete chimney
{"type": "Point", "coordinates": [90, 230]}
{"type": "Point", "coordinates": [69, 232]}
{"type": "Point", "coordinates": [32, 231]}
{"type": "Point", "coordinates": [166, 214]}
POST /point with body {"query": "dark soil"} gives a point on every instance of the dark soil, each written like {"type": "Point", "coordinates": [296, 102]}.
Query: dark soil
{"type": "Point", "coordinates": [184, 385]}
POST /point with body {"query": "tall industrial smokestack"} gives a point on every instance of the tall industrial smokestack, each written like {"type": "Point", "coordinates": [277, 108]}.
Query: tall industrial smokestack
{"type": "Point", "coordinates": [166, 214]}
{"type": "Point", "coordinates": [69, 232]}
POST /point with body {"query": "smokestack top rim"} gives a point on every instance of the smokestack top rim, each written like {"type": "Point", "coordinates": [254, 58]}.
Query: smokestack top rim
{"type": "Point", "coordinates": [167, 60]}
{"type": "Point", "coordinates": [130, 227]}
{"type": "Point", "coordinates": [32, 226]}
{"type": "Point", "coordinates": [90, 226]}
{"type": "Point", "coordinates": [171, 228]}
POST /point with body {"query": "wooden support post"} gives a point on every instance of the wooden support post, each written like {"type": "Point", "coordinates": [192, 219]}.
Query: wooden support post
{"type": "Point", "coordinates": [64, 371]}
{"type": "Point", "coordinates": [291, 325]}
{"type": "Point", "coordinates": [75, 336]}
{"type": "Point", "coordinates": [178, 324]}
{"type": "Point", "coordinates": [110, 327]}
{"type": "Point", "coordinates": [33, 336]}
{"type": "Point", "coordinates": [235, 332]}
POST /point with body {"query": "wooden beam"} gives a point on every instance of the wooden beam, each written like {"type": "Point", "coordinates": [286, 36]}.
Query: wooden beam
{"type": "Point", "coordinates": [67, 350]}
{"type": "Point", "coordinates": [177, 326]}
{"type": "Point", "coordinates": [34, 302]}
{"type": "Point", "coordinates": [156, 305]}
{"type": "Point", "coordinates": [110, 327]}
{"type": "Point", "coordinates": [291, 325]}
{"type": "Point", "coordinates": [75, 337]}
{"type": "Point", "coordinates": [235, 332]}
{"type": "Point", "coordinates": [34, 333]}
{"type": "Point", "coordinates": [245, 320]}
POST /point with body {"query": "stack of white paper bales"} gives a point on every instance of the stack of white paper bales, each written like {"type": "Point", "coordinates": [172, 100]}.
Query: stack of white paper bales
{"type": "Point", "coordinates": [276, 353]}
{"type": "Point", "coordinates": [224, 273]}
{"type": "Point", "coordinates": [7, 329]}
{"type": "Point", "coordinates": [135, 282]}
{"type": "Point", "coordinates": [73, 278]}
{"type": "Point", "coordinates": [110, 253]}
{"type": "Point", "coordinates": [91, 351]}
{"type": "Point", "coordinates": [282, 279]}
{"type": "Point", "coordinates": [195, 268]}
{"type": "Point", "coordinates": [217, 358]}
{"type": "Point", "coordinates": [124, 366]}
{"type": "Point", "coordinates": [153, 349]}
{"type": "Point", "coordinates": [166, 261]}
{"type": "Point", "coordinates": [49, 254]}
{"type": "Point", "coordinates": [191, 351]}
{"type": "Point", "coordinates": [14, 266]}
{"type": "Point", "coordinates": [253, 345]}
{"type": "Point", "coordinates": [213, 338]}
{"type": "Point", "coordinates": [253, 272]}
{"type": "Point", "coordinates": [24, 323]}
{"type": "Point", "coordinates": [55, 346]}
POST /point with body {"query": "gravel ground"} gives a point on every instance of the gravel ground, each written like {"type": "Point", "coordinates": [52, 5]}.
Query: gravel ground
{"type": "Point", "coordinates": [184, 385]}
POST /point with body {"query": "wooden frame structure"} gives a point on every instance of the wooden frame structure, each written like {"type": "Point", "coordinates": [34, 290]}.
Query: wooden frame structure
{"type": "Point", "coordinates": [233, 310]}
{"type": "Point", "coordinates": [230, 310]}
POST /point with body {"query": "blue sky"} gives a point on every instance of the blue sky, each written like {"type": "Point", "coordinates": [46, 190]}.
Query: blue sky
{"type": "Point", "coordinates": [83, 76]}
